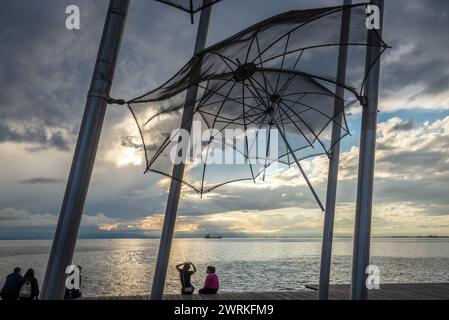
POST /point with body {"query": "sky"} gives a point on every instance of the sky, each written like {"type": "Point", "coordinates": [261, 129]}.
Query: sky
{"type": "Point", "coordinates": [45, 73]}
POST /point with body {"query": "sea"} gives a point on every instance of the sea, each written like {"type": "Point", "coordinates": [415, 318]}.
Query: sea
{"type": "Point", "coordinates": [123, 267]}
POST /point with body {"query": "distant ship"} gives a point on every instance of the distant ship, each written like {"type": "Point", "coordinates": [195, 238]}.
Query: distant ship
{"type": "Point", "coordinates": [208, 236]}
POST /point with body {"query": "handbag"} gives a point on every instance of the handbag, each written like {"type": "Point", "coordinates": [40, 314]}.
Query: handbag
{"type": "Point", "coordinates": [188, 289]}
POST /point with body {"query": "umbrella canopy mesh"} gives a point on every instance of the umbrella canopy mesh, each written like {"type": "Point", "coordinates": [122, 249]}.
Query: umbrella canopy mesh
{"type": "Point", "coordinates": [265, 96]}
{"type": "Point", "coordinates": [190, 6]}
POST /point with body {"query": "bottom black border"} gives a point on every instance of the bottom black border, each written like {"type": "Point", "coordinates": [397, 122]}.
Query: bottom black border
{"type": "Point", "coordinates": [128, 310]}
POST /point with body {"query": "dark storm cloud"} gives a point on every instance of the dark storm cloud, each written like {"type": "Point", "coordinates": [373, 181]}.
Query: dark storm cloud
{"type": "Point", "coordinates": [405, 126]}
{"type": "Point", "coordinates": [130, 142]}
{"type": "Point", "coordinates": [34, 135]}
{"type": "Point", "coordinates": [421, 26]}
{"type": "Point", "coordinates": [41, 180]}
{"type": "Point", "coordinates": [45, 69]}
{"type": "Point", "coordinates": [44, 73]}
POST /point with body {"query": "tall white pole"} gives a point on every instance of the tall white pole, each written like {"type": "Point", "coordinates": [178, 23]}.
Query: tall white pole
{"type": "Point", "coordinates": [332, 180]}
{"type": "Point", "coordinates": [362, 232]}
{"type": "Point", "coordinates": [160, 272]}
{"type": "Point", "coordinates": [86, 149]}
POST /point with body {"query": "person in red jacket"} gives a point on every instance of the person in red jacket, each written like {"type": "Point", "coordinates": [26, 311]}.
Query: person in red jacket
{"type": "Point", "coordinates": [211, 284]}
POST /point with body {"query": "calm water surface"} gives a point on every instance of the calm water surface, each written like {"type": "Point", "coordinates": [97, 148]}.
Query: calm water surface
{"type": "Point", "coordinates": [125, 267]}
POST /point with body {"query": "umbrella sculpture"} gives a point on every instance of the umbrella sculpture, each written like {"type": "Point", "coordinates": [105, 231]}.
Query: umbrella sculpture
{"type": "Point", "coordinates": [189, 6]}
{"type": "Point", "coordinates": [277, 74]}
{"type": "Point", "coordinates": [239, 116]}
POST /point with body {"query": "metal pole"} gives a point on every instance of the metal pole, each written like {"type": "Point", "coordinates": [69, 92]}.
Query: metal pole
{"type": "Point", "coordinates": [78, 183]}
{"type": "Point", "coordinates": [362, 232]}
{"type": "Point", "coordinates": [160, 272]}
{"type": "Point", "coordinates": [332, 180]}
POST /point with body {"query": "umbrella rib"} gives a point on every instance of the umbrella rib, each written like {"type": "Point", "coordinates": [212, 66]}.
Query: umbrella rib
{"type": "Point", "coordinates": [167, 142]}
{"type": "Point", "coordinates": [260, 86]}
{"type": "Point", "coordinates": [232, 122]}
{"type": "Point", "coordinates": [297, 101]}
{"type": "Point", "coordinates": [283, 127]}
{"type": "Point", "coordinates": [179, 107]}
{"type": "Point", "coordinates": [171, 177]}
{"type": "Point", "coordinates": [320, 85]}
{"type": "Point", "coordinates": [332, 120]}
{"type": "Point", "coordinates": [300, 168]}
{"type": "Point", "coordinates": [245, 128]}
{"type": "Point", "coordinates": [296, 160]}
{"type": "Point", "coordinates": [140, 132]}
{"type": "Point", "coordinates": [282, 63]}
{"type": "Point", "coordinates": [222, 95]}
{"type": "Point", "coordinates": [220, 101]}
{"type": "Point", "coordinates": [251, 45]}
{"type": "Point", "coordinates": [223, 58]}
{"type": "Point", "coordinates": [262, 69]}
{"type": "Point", "coordinates": [177, 6]}
{"type": "Point", "coordinates": [210, 92]}
{"type": "Point", "coordinates": [213, 125]}
{"type": "Point", "coordinates": [291, 75]}
{"type": "Point", "coordinates": [296, 125]}
{"type": "Point", "coordinates": [308, 93]}
{"type": "Point", "coordinates": [315, 109]}
{"type": "Point", "coordinates": [224, 101]}
{"type": "Point", "coordinates": [228, 124]}
{"type": "Point", "coordinates": [158, 152]}
{"type": "Point", "coordinates": [308, 127]}
{"type": "Point", "coordinates": [258, 130]}
{"type": "Point", "coordinates": [310, 143]}
{"type": "Point", "coordinates": [204, 166]}
{"type": "Point", "coordinates": [353, 44]}
{"type": "Point", "coordinates": [266, 153]}
{"type": "Point", "coordinates": [223, 119]}
{"type": "Point", "coordinates": [298, 27]}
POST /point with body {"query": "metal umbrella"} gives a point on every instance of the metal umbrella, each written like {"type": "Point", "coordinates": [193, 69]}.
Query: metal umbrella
{"type": "Point", "coordinates": [189, 6]}
{"type": "Point", "coordinates": [306, 40]}
{"type": "Point", "coordinates": [276, 74]}
{"type": "Point", "coordinates": [295, 45]}
{"type": "Point", "coordinates": [263, 117]}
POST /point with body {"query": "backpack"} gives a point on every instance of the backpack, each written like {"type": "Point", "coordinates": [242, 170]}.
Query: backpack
{"type": "Point", "coordinates": [25, 290]}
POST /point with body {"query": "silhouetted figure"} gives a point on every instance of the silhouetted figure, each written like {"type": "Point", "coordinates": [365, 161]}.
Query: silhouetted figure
{"type": "Point", "coordinates": [185, 274]}
{"type": "Point", "coordinates": [211, 284]}
{"type": "Point", "coordinates": [12, 285]}
{"type": "Point", "coordinates": [30, 286]}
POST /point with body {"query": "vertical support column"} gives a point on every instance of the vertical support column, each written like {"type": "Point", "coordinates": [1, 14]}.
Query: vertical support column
{"type": "Point", "coordinates": [168, 228]}
{"type": "Point", "coordinates": [362, 232]}
{"type": "Point", "coordinates": [86, 149]}
{"type": "Point", "coordinates": [332, 180]}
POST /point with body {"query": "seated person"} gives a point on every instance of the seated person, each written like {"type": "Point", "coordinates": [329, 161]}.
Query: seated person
{"type": "Point", "coordinates": [185, 274]}
{"type": "Point", "coordinates": [212, 284]}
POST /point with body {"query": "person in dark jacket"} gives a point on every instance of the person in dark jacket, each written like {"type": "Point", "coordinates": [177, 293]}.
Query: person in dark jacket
{"type": "Point", "coordinates": [185, 274]}
{"type": "Point", "coordinates": [29, 279]}
{"type": "Point", "coordinates": [12, 285]}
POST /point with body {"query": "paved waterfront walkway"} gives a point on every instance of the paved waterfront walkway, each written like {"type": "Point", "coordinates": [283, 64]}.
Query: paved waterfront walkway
{"type": "Point", "coordinates": [435, 291]}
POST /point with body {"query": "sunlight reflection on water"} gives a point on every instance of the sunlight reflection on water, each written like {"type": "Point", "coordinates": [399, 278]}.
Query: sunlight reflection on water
{"type": "Point", "coordinates": [125, 267]}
